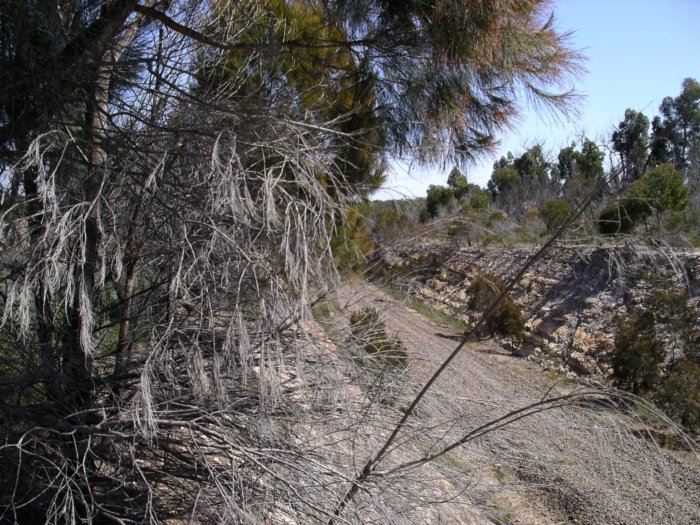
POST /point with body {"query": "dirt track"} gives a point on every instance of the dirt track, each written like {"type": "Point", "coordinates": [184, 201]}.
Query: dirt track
{"type": "Point", "coordinates": [585, 464]}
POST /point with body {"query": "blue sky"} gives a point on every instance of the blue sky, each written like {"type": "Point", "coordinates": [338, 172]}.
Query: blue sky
{"type": "Point", "coordinates": [638, 52]}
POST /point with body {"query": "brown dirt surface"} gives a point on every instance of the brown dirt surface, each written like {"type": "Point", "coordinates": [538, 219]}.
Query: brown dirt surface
{"type": "Point", "coordinates": [587, 463]}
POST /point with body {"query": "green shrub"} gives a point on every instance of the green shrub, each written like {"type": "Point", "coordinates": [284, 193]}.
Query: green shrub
{"type": "Point", "coordinates": [369, 331]}
{"type": "Point", "coordinates": [479, 199]}
{"type": "Point", "coordinates": [614, 219]}
{"type": "Point", "coordinates": [637, 354]}
{"type": "Point", "coordinates": [438, 197]}
{"type": "Point", "coordinates": [671, 306]}
{"type": "Point", "coordinates": [531, 215]}
{"type": "Point", "coordinates": [673, 310]}
{"type": "Point", "coordinates": [622, 216]}
{"type": "Point", "coordinates": [510, 321]}
{"type": "Point", "coordinates": [663, 189]}
{"type": "Point", "coordinates": [636, 202]}
{"type": "Point", "coordinates": [351, 242]}
{"type": "Point", "coordinates": [496, 216]}
{"type": "Point", "coordinates": [424, 216]}
{"type": "Point", "coordinates": [507, 320]}
{"type": "Point", "coordinates": [679, 394]}
{"type": "Point", "coordinates": [555, 212]}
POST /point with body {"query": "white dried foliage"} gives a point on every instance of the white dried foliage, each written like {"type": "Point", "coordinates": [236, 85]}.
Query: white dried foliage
{"type": "Point", "coordinates": [244, 347]}
{"type": "Point", "coordinates": [143, 409]}
{"type": "Point", "coordinates": [87, 319]}
{"type": "Point", "coordinates": [197, 374]}
{"type": "Point", "coordinates": [219, 381]}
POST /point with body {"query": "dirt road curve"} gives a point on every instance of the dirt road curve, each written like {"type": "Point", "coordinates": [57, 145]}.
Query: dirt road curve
{"type": "Point", "coordinates": [586, 464]}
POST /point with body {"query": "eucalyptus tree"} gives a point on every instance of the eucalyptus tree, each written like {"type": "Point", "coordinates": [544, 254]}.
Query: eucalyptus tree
{"type": "Point", "coordinates": [631, 142]}
{"type": "Point", "coordinates": [523, 182]}
{"type": "Point", "coordinates": [677, 129]}
{"type": "Point", "coordinates": [662, 189]}
{"type": "Point", "coordinates": [504, 180]}
{"type": "Point", "coordinates": [580, 169]}
{"type": "Point", "coordinates": [458, 183]}
{"type": "Point", "coordinates": [170, 171]}
{"type": "Point", "coordinates": [533, 167]}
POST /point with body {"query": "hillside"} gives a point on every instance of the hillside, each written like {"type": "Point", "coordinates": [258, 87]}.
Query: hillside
{"type": "Point", "coordinates": [571, 299]}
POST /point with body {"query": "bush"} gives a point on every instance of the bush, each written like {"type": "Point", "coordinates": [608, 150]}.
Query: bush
{"type": "Point", "coordinates": [479, 199]}
{"type": "Point", "coordinates": [532, 215]}
{"type": "Point", "coordinates": [483, 291]}
{"type": "Point", "coordinates": [555, 212]}
{"type": "Point", "coordinates": [679, 394]}
{"type": "Point", "coordinates": [510, 322]}
{"type": "Point", "coordinates": [370, 333]}
{"type": "Point", "coordinates": [507, 320]}
{"type": "Point", "coordinates": [673, 310]}
{"type": "Point", "coordinates": [424, 216]}
{"type": "Point", "coordinates": [438, 197]}
{"type": "Point", "coordinates": [664, 190]}
{"type": "Point", "coordinates": [496, 216]}
{"type": "Point", "coordinates": [637, 354]}
{"type": "Point", "coordinates": [672, 307]}
{"type": "Point", "coordinates": [614, 219]}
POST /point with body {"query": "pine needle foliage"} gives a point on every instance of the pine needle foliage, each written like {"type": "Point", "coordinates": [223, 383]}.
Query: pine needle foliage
{"type": "Point", "coordinates": [450, 72]}
{"type": "Point", "coordinates": [370, 332]}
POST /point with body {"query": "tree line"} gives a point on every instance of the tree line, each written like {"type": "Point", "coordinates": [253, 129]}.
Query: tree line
{"type": "Point", "coordinates": [646, 175]}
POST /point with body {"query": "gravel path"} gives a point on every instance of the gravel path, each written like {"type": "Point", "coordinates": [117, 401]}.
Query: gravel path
{"type": "Point", "coordinates": [585, 464]}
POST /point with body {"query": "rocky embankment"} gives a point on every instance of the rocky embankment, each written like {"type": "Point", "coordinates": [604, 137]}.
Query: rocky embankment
{"type": "Point", "coordinates": [572, 297]}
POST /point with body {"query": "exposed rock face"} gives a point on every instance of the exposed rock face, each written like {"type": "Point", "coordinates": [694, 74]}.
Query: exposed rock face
{"type": "Point", "coordinates": [572, 297]}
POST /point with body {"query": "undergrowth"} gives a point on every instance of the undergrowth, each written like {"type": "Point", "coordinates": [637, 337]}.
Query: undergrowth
{"type": "Point", "coordinates": [507, 320]}
{"type": "Point", "coordinates": [380, 348]}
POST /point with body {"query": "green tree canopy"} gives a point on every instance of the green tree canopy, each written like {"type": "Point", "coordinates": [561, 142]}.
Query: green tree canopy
{"type": "Point", "coordinates": [590, 161]}
{"type": "Point", "coordinates": [458, 183]}
{"type": "Point", "coordinates": [579, 170]}
{"type": "Point", "coordinates": [533, 167]}
{"type": "Point", "coordinates": [479, 199]}
{"type": "Point", "coordinates": [630, 141]}
{"type": "Point", "coordinates": [678, 127]}
{"type": "Point", "coordinates": [555, 212]}
{"type": "Point", "coordinates": [435, 80]}
{"type": "Point", "coordinates": [503, 180]}
{"type": "Point", "coordinates": [566, 162]}
{"type": "Point", "coordinates": [658, 191]}
{"type": "Point", "coordinates": [307, 81]}
{"type": "Point", "coordinates": [448, 97]}
{"type": "Point", "coordinates": [665, 190]}
{"type": "Point", "coordinates": [438, 197]}
{"type": "Point", "coordinates": [519, 183]}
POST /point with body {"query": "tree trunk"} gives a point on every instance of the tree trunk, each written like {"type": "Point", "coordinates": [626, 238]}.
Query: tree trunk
{"type": "Point", "coordinates": [77, 349]}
